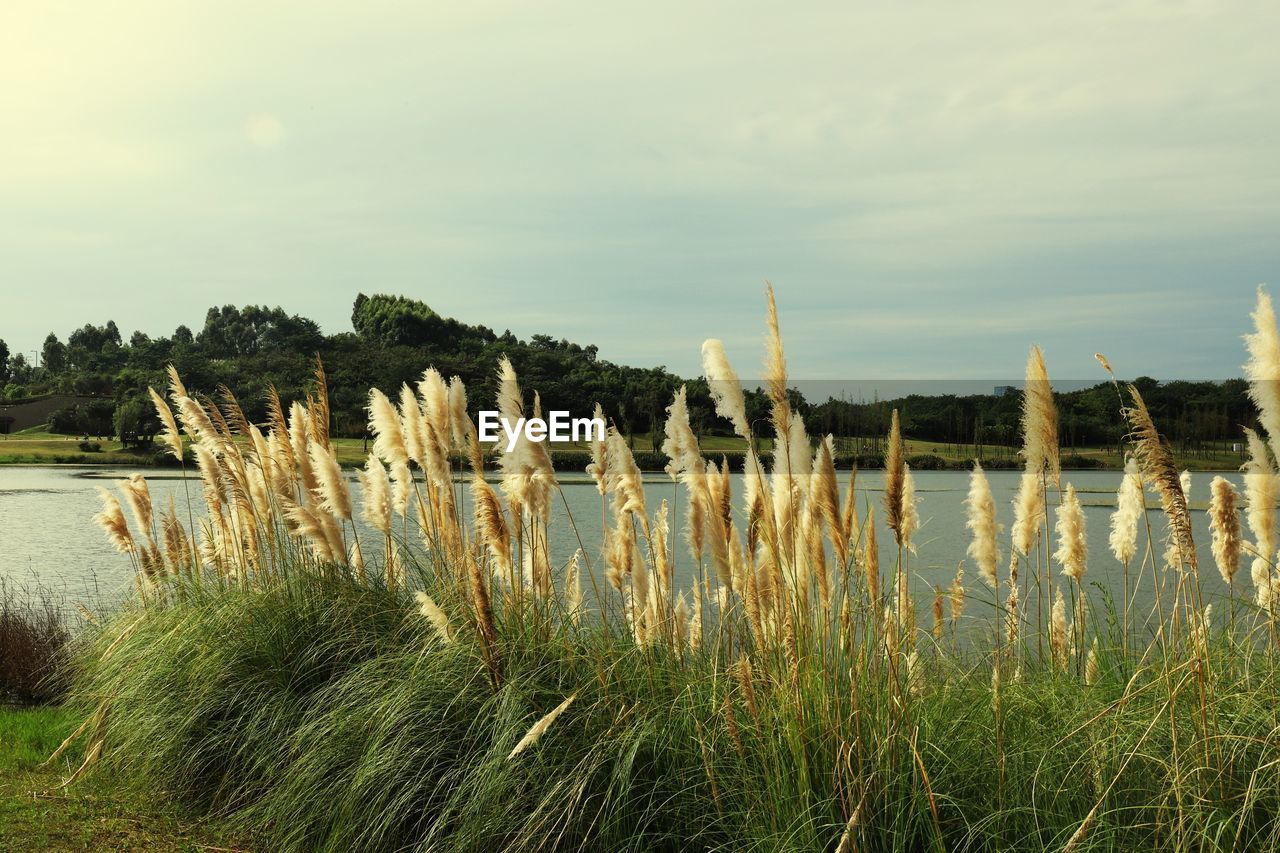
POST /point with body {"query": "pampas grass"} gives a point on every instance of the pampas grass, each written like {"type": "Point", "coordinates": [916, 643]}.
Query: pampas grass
{"type": "Point", "coordinates": [1156, 464]}
{"type": "Point", "coordinates": [1260, 489]}
{"type": "Point", "coordinates": [598, 468]}
{"type": "Point", "coordinates": [375, 487]}
{"type": "Point", "coordinates": [1262, 369]}
{"type": "Point", "coordinates": [1130, 509]}
{"type": "Point", "coordinates": [384, 422]}
{"type": "Point", "coordinates": [1072, 549]}
{"type": "Point", "coordinates": [984, 549]}
{"type": "Point", "coordinates": [1224, 524]}
{"type": "Point", "coordinates": [432, 613]}
{"type": "Point", "coordinates": [279, 670]}
{"type": "Point", "coordinates": [725, 388]}
{"type": "Point", "coordinates": [1028, 513]}
{"type": "Point", "coordinates": [895, 480]}
{"type": "Point", "coordinates": [1040, 419]}
{"type": "Point", "coordinates": [170, 434]}
{"type": "Point", "coordinates": [112, 521]}
{"type": "Point", "coordinates": [538, 729]}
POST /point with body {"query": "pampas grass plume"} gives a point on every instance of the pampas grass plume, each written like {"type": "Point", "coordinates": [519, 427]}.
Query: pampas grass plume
{"type": "Point", "coordinates": [170, 435]}
{"type": "Point", "coordinates": [1224, 525]}
{"type": "Point", "coordinates": [1072, 548]}
{"type": "Point", "coordinates": [112, 521]}
{"type": "Point", "coordinates": [384, 420]}
{"type": "Point", "coordinates": [894, 476]}
{"type": "Point", "coordinates": [1028, 512]}
{"type": "Point", "coordinates": [1130, 507]}
{"type": "Point", "coordinates": [726, 389]}
{"type": "Point", "coordinates": [539, 728]}
{"type": "Point", "coordinates": [1263, 367]}
{"type": "Point", "coordinates": [437, 617]}
{"type": "Point", "coordinates": [1040, 419]}
{"type": "Point", "coordinates": [984, 548]}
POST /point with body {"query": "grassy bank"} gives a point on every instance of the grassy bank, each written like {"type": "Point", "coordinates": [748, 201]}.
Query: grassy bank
{"type": "Point", "coordinates": [95, 815]}
{"type": "Point", "coordinates": [330, 715]}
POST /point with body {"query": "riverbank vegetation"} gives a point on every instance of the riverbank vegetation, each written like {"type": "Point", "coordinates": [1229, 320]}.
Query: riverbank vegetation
{"type": "Point", "coordinates": [34, 641]}
{"type": "Point", "coordinates": [433, 677]}
{"type": "Point", "coordinates": [40, 447]}
{"type": "Point", "coordinates": [393, 339]}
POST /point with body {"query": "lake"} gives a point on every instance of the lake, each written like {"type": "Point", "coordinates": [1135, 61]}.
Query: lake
{"type": "Point", "coordinates": [47, 536]}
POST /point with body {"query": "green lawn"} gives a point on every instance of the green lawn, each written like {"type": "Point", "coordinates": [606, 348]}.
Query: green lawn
{"type": "Point", "coordinates": [95, 814]}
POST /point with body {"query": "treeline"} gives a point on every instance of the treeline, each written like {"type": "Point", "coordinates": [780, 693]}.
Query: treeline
{"type": "Point", "coordinates": [394, 339]}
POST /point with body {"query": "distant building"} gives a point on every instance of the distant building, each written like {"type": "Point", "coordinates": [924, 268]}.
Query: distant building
{"type": "Point", "coordinates": [1002, 390]}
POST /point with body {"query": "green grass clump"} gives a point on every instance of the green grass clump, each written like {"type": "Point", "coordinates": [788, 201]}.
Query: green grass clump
{"type": "Point", "coordinates": [324, 714]}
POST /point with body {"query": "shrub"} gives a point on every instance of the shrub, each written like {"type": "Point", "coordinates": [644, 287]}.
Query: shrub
{"type": "Point", "coordinates": [927, 462]}
{"type": "Point", "coordinates": [34, 641]}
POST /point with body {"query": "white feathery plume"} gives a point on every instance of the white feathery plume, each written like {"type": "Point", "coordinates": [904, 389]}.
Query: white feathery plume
{"type": "Point", "coordinates": [910, 514]}
{"type": "Point", "coordinates": [573, 588]}
{"type": "Point", "coordinates": [1040, 419]}
{"type": "Point", "coordinates": [335, 497]}
{"type": "Point", "coordinates": [1263, 367]}
{"type": "Point", "coordinates": [1070, 527]}
{"type": "Point", "coordinates": [1130, 508]}
{"type": "Point", "coordinates": [411, 426]}
{"type": "Point", "coordinates": [437, 617]}
{"type": "Point", "coordinates": [598, 465]}
{"type": "Point", "coordinates": [375, 488]}
{"type": "Point", "coordinates": [111, 520]}
{"type": "Point", "coordinates": [1028, 512]}
{"type": "Point", "coordinates": [1260, 503]}
{"type": "Point", "coordinates": [984, 548]}
{"type": "Point", "coordinates": [726, 389]}
{"type": "Point", "coordinates": [540, 727]}
{"type": "Point", "coordinates": [388, 440]}
{"type": "Point", "coordinates": [435, 399]}
{"type": "Point", "coordinates": [1224, 524]}
{"type": "Point", "coordinates": [170, 435]}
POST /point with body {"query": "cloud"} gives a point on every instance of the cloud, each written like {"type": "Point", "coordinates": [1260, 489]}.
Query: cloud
{"type": "Point", "coordinates": [556, 168]}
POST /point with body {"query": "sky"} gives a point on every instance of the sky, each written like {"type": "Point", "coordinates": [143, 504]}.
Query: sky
{"type": "Point", "coordinates": [931, 187]}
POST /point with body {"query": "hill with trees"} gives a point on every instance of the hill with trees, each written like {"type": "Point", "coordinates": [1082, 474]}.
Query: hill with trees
{"type": "Point", "coordinates": [393, 339]}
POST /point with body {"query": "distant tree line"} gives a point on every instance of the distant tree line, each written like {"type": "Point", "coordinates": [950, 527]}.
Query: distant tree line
{"type": "Point", "coordinates": [394, 339]}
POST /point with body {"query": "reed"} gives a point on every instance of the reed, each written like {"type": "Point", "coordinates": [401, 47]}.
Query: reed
{"type": "Point", "coordinates": [439, 679]}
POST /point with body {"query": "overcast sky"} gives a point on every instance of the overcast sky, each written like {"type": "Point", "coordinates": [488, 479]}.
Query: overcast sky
{"type": "Point", "coordinates": [931, 187]}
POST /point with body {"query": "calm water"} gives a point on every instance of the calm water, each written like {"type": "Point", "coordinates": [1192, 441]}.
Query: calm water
{"type": "Point", "coordinates": [46, 534]}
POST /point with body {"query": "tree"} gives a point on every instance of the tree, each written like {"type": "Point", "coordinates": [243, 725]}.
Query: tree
{"type": "Point", "coordinates": [4, 362]}
{"type": "Point", "coordinates": [19, 371]}
{"type": "Point", "coordinates": [230, 332]}
{"type": "Point", "coordinates": [182, 335]}
{"type": "Point", "coordinates": [54, 354]}
{"type": "Point", "coordinates": [139, 339]}
{"type": "Point", "coordinates": [98, 418]}
{"type": "Point", "coordinates": [136, 422]}
{"type": "Point", "coordinates": [392, 320]}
